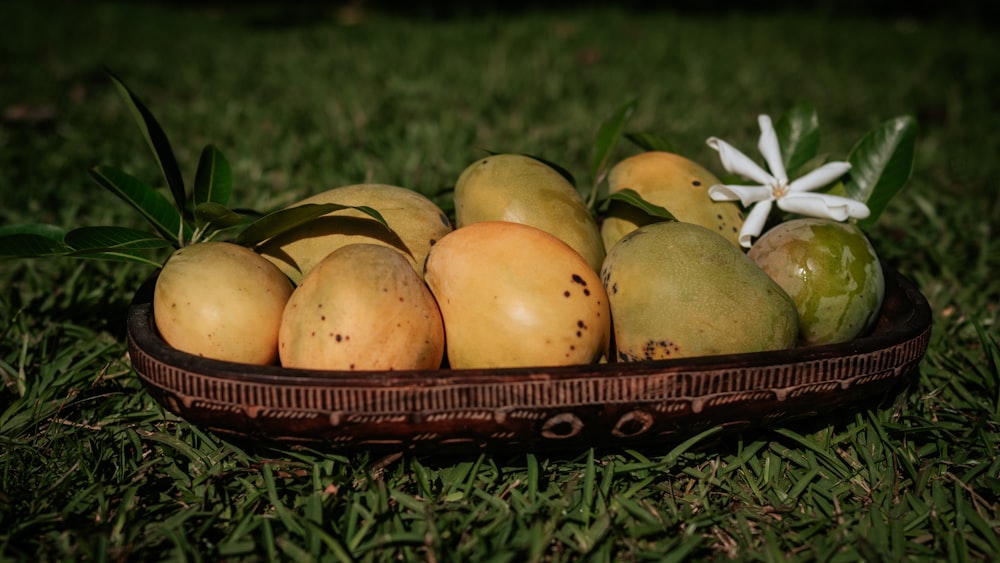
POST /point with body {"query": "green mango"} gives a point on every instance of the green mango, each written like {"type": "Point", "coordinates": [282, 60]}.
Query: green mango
{"type": "Point", "coordinates": [673, 182]}
{"type": "Point", "coordinates": [679, 290]}
{"type": "Point", "coordinates": [522, 189]}
{"type": "Point", "coordinates": [830, 270]}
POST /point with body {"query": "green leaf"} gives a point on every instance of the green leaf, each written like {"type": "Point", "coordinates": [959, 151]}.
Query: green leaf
{"type": "Point", "coordinates": [157, 140]}
{"type": "Point", "coordinates": [607, 139]}
{"type": "Point", "coordinates": [217, 216]}
{"type": "Point", "coordinates": [30, 245]}
{"type": "Point", "coordinates": [798, 136]}
{"type": "Point", "coordinates": [40, 229]}
{"type": "Point", "coordinates": [633, 198]}
{"type": "Point", "coordinates": [100, 239]}
{"type": "Point", "coordinates": [213, 182]}
{"type": "Point", "coordinates": [114, 243]}
{"type": "Point", "coordinates": [156, 209]}
{"type": "Point", "coordinates": [881, 164]}
{"type": "Point", "coordinates": [277, 222]}
{"type": "Point", "coordinates": [652, 142]}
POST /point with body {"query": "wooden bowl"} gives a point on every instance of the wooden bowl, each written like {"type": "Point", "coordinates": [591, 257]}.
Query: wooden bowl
{"type": "Point", "coordinates": [532, 408]}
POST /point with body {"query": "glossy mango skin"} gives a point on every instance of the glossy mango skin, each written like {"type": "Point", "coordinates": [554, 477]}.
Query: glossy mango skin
{"type": "Point", "coordinates": [220, 300]}
{"type": "Point", "coordinates": [830, 270]}
{"type": "Point", "coordinates": [671, 181]}
{"type": "Point", "coordinates": [416, 222]}
{"type": "Point", "coordinates": [680, 290]}
{"type": "Point", "coordinates": [512, 295]}
{"type": "Point", "coordinates": [522, 189]}
{"type": "Point", "coordinates": [363, 307]}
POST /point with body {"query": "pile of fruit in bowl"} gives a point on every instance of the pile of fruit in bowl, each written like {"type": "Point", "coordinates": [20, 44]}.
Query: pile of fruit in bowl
{"type": "Point", "coordinates": [660, 259]}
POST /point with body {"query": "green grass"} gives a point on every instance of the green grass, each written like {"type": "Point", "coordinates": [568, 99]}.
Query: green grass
{"type": "Point", "coordinates": [92, 468]}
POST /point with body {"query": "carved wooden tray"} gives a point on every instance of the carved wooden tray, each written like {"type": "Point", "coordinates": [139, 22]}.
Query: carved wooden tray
{"type": "Point", "coordinates": [537, 408]}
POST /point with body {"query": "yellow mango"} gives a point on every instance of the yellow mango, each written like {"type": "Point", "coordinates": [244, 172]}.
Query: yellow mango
{"type": "Point", "coordinates": [363, 307]}
{"type": "Point", "coordinates": [522, 189]}
{"type": "Point", "coordinates": [416, 223]}
{"type": "Point", "coordinates": [514, 295]}
{"type": "Point", "coordinates": [671, 181]}
{"type": "Point", "coordinates": [222, 301]}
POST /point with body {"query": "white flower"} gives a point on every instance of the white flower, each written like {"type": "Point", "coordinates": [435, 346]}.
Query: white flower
{"type": "Point", "coordinates": [774, 187]}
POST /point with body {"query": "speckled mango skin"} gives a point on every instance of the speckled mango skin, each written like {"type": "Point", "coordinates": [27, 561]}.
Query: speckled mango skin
{"type": "Point", "coordinates": [220, 300]}
{"type": "Point", "coordinates": [512, 295]}
{"type": "Point", "coordinates": [363, 307]}
{"type": "Point", "coordinates": [680, 290]}
{"type": "Point", "coordinates": [521, 189]}
{"type": "Point", "coordinates": [671, 181]}
{"type": "Point", "coordinates": [416, 222]}
{"type": "Point", "coordinates": [830, 270]}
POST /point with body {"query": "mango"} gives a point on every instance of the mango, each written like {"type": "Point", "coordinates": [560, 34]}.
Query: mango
{"type": "Point", "coordinates": [220, 300]}
{"type": "Point", "coordinates": [363, 307]}
{"type": "Point", "coordinates": [513, 295]}
{"type": "Point", "coordinates": [832, 273]}
{"type": "Point", "coordinates": [522, 189]}
{"type": "Point", "coordinates": [416, 223]}
{"type": "Point", "coordinates": [679, 290]}
{"type": "Point", "coordinates": [671, 181]}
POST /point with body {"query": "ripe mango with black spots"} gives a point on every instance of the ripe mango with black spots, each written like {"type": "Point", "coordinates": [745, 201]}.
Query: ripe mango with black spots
{"type": "Point", "coordinates": [513, 295]}
{"type": "Point", "coordinates": [679, 290]}
{"type": "Point", "coordinates": [363, 307]}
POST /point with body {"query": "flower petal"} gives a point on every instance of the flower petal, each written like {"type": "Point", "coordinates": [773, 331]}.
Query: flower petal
{"type": "Point", "coordinates": [769, 147]}
{"type": "Point", "coordinates": [824, 206]}
{"type": "Point", "coordinates": [754, 223]}
{"type": "Point", "coordinates": [746, 194]}
{"type": "Point", "coordinates": [736, 162]}
{"type": "Point", "coordinates": [819, 177]}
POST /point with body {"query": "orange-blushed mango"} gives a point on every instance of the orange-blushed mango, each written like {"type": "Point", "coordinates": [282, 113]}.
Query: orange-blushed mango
{"type": "Point", "coordinates": [513, 295]}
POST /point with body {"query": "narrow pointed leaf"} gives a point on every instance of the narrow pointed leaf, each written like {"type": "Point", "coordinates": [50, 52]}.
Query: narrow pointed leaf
{"type": "Point", "coordinates": [277, 222]}
{"type": "Point", "coordinates": [633, 198]}
{"type": "Point", "coordinates": [881, 164]}
{"type": "Point", "coordinates": [119, 244]}
{"type": "Point", "coordinates": [30, 245]}
{"type": "Point", "coordinates": [153, 206]}
{"type": "Point", "coordinates": [157, 140]}
{"type": "Point", "coordinates": [798, 136]}
{"type": "Point", "coordinates": [110, 238]}
{"type": "Point", "coordinates": [651, 142]}
{"type": "Point", "coordinates": [213, 181]}
{"type": "Point", "coordinates": [217, 216]}
{"type": "Point", "coordinates": [607, 139]}
{"type": "Point", "coordinates": [41, 229]}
